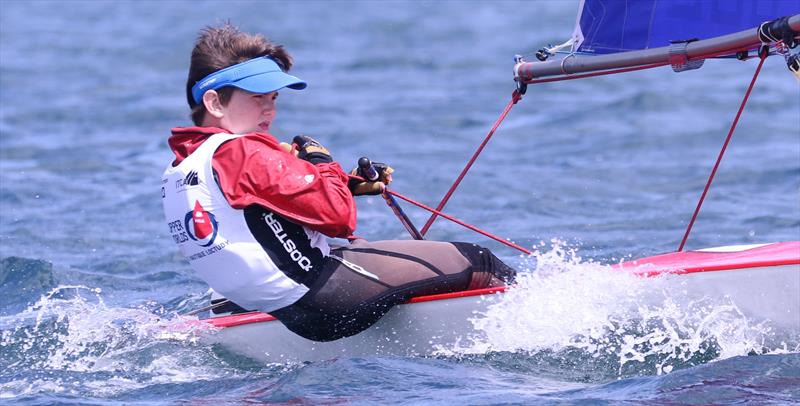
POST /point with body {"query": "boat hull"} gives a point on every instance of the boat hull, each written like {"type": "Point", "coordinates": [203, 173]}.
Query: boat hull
{"type": "Point", "coordinates": [763, 282]}
{"type": "Point", "coordinates": [418, 328]}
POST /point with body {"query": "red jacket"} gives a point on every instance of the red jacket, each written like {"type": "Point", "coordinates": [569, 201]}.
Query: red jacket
{"type": "Point", "coordinates": [254, 169]}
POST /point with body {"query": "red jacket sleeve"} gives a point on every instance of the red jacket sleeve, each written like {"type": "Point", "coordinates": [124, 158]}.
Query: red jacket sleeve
{"type": "Point", "coordinates": [254, 169]}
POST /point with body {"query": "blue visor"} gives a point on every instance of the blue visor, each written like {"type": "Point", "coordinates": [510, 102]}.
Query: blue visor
{"type": "Point", "coordinates": [260, 75]}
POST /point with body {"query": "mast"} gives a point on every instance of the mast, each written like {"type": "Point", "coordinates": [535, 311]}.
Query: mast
{"type": "Point", "coordinates": [524, 72]}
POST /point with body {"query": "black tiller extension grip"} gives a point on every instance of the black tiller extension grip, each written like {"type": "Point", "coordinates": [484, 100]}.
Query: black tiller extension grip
{"type": "Point", "coordinates": [367, 170]}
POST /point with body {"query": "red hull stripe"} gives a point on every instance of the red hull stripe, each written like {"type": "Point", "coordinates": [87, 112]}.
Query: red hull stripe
{"type": "Point", "coordinates": [784, 253]}
{"type": "Point", "coordinates": [239, 319]}
{"type": "Point", "coordinates": [258, 317]}
{"type": "Point", "coordinates": [465, 293]}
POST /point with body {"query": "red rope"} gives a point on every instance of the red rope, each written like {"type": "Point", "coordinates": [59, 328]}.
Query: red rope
{"type": "Point", "coordinates": [515, 97]}
{"type": "Point", "coordinates": [459, 222]}
{"type": "Point", "coordinates": [403, 219]}
{"type": "Point", "coordinates": [721, 153]}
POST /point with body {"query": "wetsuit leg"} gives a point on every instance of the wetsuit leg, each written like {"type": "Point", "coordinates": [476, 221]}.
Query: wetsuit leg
{"type": "Point", "coordinates": [488, 270]}
{"type": "Point", "coordinates": [361, 282]}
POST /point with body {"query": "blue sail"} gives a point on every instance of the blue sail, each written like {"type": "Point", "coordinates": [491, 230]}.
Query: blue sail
{"type": "Point", "coordinates": [610, 26]}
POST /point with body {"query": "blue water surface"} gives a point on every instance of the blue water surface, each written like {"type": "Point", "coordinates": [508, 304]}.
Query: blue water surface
{"type": "Point", "coordinates": [610, 167]}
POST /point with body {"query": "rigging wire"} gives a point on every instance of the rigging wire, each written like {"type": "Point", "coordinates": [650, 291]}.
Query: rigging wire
{"type": "Point", "coordinates": [515, 97]}
{"type": "Point", "coordinates": [763, 56]}
{"type": "Point", "coordinates": [764, 51]}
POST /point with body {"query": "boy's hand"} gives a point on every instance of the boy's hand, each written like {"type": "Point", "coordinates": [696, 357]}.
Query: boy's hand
{"type": "Point", "coordinates": [311, 150]}
{"type": "Point", "coordinates": [359, 188]}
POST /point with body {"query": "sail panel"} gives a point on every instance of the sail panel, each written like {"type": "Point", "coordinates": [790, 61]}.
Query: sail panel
{"type": "Point", "coordinates": [610, 26]}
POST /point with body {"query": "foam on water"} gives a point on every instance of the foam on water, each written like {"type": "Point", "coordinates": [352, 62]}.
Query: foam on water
{"type": "Point", "coordinates": [565, 307]}
{"type": "Point", "coordinates": [73, 342]}
{"type": "Point", "coordinates": [576, 320]}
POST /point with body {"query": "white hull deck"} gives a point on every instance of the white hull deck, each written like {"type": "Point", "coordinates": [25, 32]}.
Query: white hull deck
{"type": "Point", "coordinates": [762, 281]}
{"type": "Point", "coordinates": [407, 330]}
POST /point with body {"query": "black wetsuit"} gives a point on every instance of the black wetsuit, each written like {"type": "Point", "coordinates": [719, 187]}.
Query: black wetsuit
{"type": "Point", "coordinates": [359, 283]}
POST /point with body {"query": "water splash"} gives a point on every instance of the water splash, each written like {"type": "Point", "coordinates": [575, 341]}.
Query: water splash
{"type": "Point", "coordinates": [71, 341]}
{"type": "Point", "coordinates": [595, 319]}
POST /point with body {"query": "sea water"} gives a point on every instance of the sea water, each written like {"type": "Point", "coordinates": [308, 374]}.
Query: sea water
{"type": "Point", "coordinates": [586, 173]}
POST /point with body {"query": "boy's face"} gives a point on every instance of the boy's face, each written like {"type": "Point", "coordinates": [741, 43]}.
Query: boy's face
{"type": "Point", "coordinates": [249, 112]}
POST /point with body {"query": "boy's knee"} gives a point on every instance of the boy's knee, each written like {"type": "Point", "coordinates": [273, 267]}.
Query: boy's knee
{"type": "Point", "coordinates": [482, 260]}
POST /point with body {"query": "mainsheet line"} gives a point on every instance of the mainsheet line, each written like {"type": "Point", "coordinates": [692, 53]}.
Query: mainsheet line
{"type": "Point", "coordinates": [446, 216]}
{"type": "Point", "coordinates": [459, 222]}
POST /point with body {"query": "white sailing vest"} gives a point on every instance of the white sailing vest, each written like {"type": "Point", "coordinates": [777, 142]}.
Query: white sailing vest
{"type": "Point", "coordinates": [220, 244]}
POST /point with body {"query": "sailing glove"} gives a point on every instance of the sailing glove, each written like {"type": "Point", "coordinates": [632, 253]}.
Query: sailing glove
{"type": "Point", "coordinates": [311, 150]}
{"type": "Point", "coordinates": [360, 188]}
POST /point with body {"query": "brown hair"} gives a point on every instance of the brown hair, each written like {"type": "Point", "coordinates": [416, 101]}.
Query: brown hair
{"type": "Point", "coordinates": [220, 47]}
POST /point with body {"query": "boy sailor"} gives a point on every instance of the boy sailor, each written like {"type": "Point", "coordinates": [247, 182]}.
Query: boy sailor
{"type": "Point", "coordinates": [252, 214]}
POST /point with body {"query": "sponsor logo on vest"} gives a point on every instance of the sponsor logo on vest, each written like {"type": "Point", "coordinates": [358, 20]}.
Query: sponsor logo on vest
{"type": "Point", "coordinates": [178, 232]}
{"type": "Point", "coordinates": [201, 225]}
{"type": "Point", "coordinates": [191, 179]}
{"type": "Point", "coordinates": [287, 243]}
{"type": "Point", "coordinates": [208, 251]}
